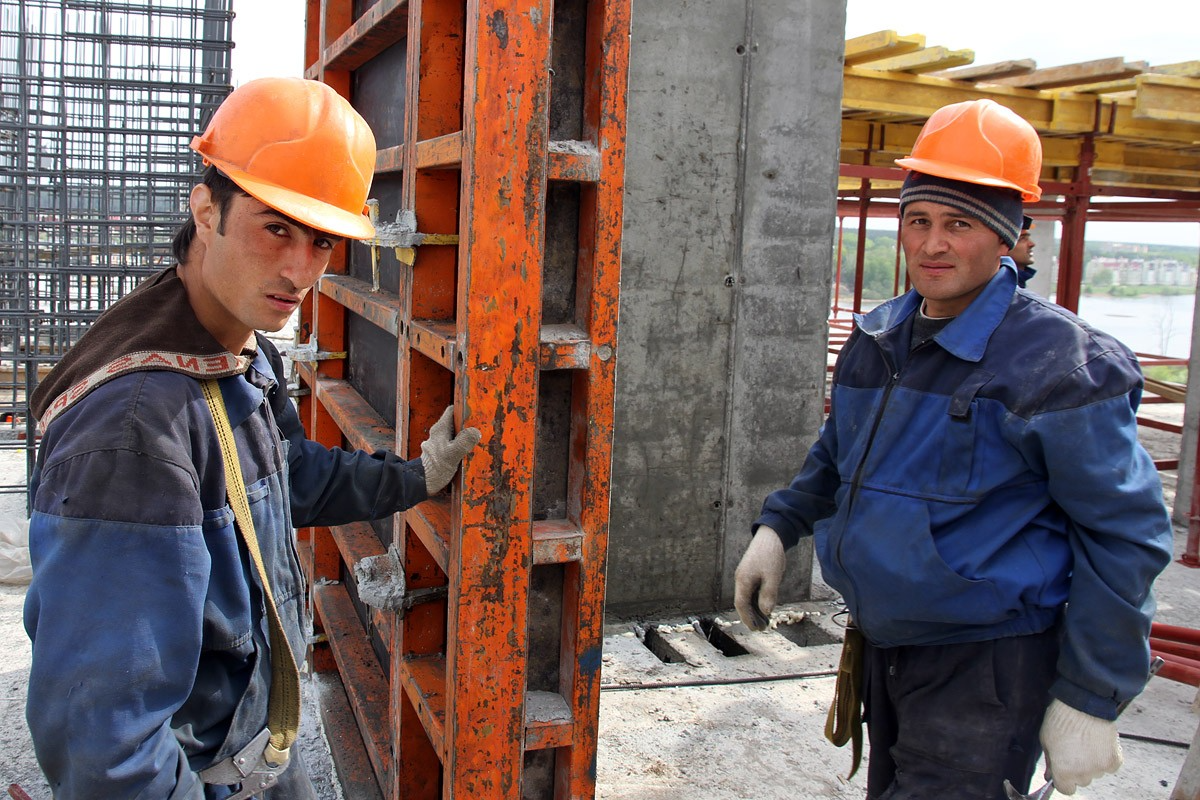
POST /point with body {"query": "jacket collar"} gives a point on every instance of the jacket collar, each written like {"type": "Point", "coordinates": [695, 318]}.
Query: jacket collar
{"type": "Point", "coordinates": [967, 336]}
{"type": "Point", "coordinates": [245, 392]}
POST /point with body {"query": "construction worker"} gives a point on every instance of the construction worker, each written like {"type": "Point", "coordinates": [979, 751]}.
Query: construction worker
{"type": "Point", "coordinates": [158, 668]}
{"type": "Point", "coordinates": [978, 496]}
{"type": "Point", "coordinates": [1022, 253]}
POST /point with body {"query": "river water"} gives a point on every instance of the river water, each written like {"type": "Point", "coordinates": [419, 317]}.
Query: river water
{"type": "Point", "coordinates": [1159, 325]}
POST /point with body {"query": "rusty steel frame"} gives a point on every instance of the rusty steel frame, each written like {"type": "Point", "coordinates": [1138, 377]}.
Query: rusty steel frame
{"type": "Point", "coordinates": [450, 713]}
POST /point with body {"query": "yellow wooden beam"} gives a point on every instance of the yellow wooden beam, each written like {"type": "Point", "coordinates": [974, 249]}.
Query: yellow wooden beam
{"type": "Point", "coordinates": [928, 60]}
{"type": "Point", "coordinates": [1184, 69]}
{"type": "Point", "coordinates": [1168, 98]}
{"type": "Point", "coordinates": [894, 96]}
{"type": "Point", "coordinates": [882, 44]}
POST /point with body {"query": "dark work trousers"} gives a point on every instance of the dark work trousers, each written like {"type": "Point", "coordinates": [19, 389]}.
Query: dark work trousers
{"type": "Point", "coordinates": [956, 720]}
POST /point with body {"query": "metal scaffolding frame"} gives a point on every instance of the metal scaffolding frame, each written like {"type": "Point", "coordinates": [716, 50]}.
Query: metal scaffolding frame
{"type": "Point", "coordinates": [98, 102]}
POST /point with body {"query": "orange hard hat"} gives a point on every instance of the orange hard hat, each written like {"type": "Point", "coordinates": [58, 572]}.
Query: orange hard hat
{"type": "Point", "coordinates": [298, 146]}
{"type": "Point", "coordinates": [979, 141]}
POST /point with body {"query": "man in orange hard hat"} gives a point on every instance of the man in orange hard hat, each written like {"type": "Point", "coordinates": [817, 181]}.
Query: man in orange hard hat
{"type": "Point", "coordinates": [167, 608]}
{"type": "Point", "coordinates": [979, 498]}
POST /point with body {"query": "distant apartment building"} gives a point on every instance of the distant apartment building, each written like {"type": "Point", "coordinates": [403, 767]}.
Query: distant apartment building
{"type": "Point", "coordinates": [1141, 272]}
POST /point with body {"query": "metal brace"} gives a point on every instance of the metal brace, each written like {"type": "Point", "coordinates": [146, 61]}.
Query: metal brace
{"type": "Point", "coordinates": [310, 353]}
{"type": "Point", "coordinates": [248, 767]}
{"type": "Point", "coordinates": [381, 584]}
{"type": "Point", "coordinates": [402, 235]}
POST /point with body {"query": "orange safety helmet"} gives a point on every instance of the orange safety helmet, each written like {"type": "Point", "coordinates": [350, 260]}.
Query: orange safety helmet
{"type": "Point", "coordinates": [298, 146]}
{"type": "Point", "coordinates": [979, 141]}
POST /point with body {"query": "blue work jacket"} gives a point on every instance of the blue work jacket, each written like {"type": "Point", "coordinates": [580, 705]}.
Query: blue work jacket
{"type": "Point", "coordinates": [151, 651]}
{"type": "Point", "coordinates": [970, 489]}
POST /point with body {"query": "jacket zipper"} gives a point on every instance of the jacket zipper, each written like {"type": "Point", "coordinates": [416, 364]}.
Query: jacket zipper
{"type": "Point", "coordinates": [856, 481]}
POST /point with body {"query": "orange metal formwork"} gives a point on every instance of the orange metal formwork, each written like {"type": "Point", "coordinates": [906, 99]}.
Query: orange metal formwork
{"type": "Point", "coordinates": [510, 151]}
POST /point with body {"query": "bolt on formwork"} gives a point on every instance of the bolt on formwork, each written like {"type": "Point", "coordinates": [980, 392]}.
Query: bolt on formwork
{"type": "Point", "coordinates": [98, 102]}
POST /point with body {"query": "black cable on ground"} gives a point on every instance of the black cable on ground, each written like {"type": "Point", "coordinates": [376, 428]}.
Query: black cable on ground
{"type": "Point", "coordinates": [1133, 737]}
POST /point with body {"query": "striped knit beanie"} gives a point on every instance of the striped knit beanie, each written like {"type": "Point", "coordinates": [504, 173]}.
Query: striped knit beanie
{"type": "Point", "coordinates": [999, 209]}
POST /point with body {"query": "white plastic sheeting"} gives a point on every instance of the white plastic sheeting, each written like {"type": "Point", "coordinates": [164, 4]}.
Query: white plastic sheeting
{"type": "Point", "coordinates": [14, 550]}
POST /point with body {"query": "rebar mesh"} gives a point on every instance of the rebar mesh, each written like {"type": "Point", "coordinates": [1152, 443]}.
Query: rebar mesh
{"type": "Point", "coordinates": [98, 102]}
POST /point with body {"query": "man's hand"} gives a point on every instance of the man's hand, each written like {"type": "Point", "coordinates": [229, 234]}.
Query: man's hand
{"type": "Point", "coordinates": [442, 452]}
{"type": "Point", "coordinates": [756, 582]}
{"type": "Point", "coordinates": [1079, 747]}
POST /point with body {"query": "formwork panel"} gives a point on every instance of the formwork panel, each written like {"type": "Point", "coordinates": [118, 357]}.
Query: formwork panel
{"type": "Point", "coordinates": [503, 303]}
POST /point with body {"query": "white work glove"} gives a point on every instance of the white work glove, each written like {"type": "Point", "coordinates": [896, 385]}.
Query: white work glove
{"type": "Point", "coordinates": [1079, 747]}
{"type": "Point", "coordinates": [442, 452]}
{"type": "Point", "coordinates": [756, 582]}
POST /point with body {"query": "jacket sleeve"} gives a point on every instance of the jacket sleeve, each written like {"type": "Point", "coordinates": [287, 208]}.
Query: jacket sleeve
{"type": "Point", "coordinates": [114, 612]}
{"type": "Point", "coordinates": [793, 511]}
{"type": "Point", "coordinates": [332, 486]}
{"type": "Point", "coordinates": [1119, 533]}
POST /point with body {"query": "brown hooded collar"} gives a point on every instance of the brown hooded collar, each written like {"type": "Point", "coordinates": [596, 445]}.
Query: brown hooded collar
{"type": "Point", "coordinates": [151, 328]}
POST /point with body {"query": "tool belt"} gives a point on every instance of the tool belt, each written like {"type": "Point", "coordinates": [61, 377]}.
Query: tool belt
{"type": "Point", "coordinates": [844, 723]}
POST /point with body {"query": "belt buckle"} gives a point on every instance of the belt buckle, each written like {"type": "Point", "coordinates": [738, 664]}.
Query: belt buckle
{"type": "Point", "coordinates": [251, 767]}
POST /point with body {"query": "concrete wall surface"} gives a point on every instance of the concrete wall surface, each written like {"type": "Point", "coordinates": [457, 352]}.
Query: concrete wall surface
{"type": "Point", "coordinates": [731, 174]}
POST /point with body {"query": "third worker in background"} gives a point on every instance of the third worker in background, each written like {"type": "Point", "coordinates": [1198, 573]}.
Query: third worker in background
{"type": "Point", "coordinates": [979, 497]}
{"type": "Point", "coordinates": [1022, 253]}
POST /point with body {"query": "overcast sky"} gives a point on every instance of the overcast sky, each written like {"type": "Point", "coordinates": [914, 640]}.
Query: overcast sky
{"type": "Point", "coordinates": [269, 37]}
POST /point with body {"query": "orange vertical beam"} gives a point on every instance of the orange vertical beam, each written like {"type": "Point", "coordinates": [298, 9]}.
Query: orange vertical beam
{"type": "Point", "coordinates": [597, 303]}
{"type": "Point", "coordinates": [433, 107]}
{"type": "Point", "coordinates": [326, 322]}
{"type": "Point", "coordinates": [505, 137]}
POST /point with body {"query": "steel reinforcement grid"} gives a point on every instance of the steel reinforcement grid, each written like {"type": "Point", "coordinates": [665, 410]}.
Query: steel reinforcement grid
{"type": "Point", "coordinates": [98, 102]}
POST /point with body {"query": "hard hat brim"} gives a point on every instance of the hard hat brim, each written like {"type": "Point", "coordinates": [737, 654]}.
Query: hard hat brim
{"type": "Point", "coordinates": [314, 213]}
{"type": "Point", "coordinates": [957, 172]}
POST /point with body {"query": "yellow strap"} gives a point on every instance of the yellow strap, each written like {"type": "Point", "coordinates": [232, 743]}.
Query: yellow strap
{"type": "Point", "coordinates": [283, 704]}
{"type": "Point", "coordinates": [844, 722]}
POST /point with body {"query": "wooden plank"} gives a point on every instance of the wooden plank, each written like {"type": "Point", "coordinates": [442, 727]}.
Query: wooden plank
{"type": "Point", "coordinates": [362, 677]}
{"type": "Point", "coordinates": [1084, 72]}
{"type": "Point", "coordinates": [928, 60]}
{"type": "Point", "coordinates": [986, 72]}
{"type": "Point", "coordinates": [881, 44]}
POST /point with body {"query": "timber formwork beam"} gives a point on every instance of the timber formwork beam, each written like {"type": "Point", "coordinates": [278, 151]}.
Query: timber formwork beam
{"type": "Point", "coordinates": [500, 133]}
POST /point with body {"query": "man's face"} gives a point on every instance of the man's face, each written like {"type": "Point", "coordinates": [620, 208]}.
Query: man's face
{"type": "Point", "coordinates": [950, 255]}
{"type": "Point", "coordinates": [254, 269]}
{"type": "Point", "coordinates": [1022, 251]}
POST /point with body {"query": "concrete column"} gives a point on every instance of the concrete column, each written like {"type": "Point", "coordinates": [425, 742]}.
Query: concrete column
{"type": "Point", "coordinates": [731, 174]}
